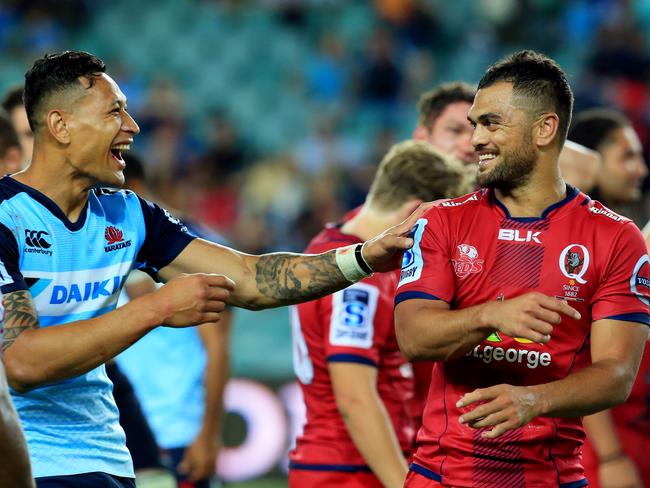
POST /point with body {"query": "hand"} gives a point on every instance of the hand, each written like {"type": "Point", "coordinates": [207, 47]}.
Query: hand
{"type": "Point", "coordinates": [504, 407]}
{"type": "Point", "coordinates": [193, 299]}
{"type": "Point", "coordinates": [530, 316]}
{"type": "Point", "coordinates": [384, 252]}
{"type": "Point", "coordinates": [199, 459]}
{"type": "Point", "coordinates": [619, 473]}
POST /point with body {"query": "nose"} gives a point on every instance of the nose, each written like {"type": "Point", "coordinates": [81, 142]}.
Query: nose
{"type": "Point", "coordinates": [641, 168]}
{"type": "Point", "coordinates": [129, 124]}
{"type": "Point", "coordinates": [479, 137]}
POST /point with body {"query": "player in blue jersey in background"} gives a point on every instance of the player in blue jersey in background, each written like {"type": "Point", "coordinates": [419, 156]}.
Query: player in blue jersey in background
{"type": "Point", "coordinates": [66, 247]}
{"type": "Point", "coordinates": [179, 376]}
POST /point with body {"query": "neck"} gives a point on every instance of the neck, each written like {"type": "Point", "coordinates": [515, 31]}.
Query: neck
{"type": "Point", "coordinates": [369, 222]}
{"type": "Point", "coordinates": [544, 188]}
{"type": "Point", "coordinates": [56, 180]}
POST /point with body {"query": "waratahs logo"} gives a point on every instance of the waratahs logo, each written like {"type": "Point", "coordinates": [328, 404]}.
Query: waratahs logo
{"type": "Point", "coordinates": [114, 239]}
{"type": "Point", "coordinates": [467, 261]}
{"type": "Point", "coordinates": [640, 280]}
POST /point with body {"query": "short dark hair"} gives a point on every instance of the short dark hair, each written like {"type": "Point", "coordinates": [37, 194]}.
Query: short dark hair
{"type": "Point", "coordinates": [538, 78]}
{"type": "Point", "coordinates": [57, 72]}
{"type": "Point", "coordinates": [8, 134]}
{"type": "Point", "coordinates": [593, 128]}
{"type": "Point", "coordinates": [417, 170]}
{"type": "Point", "coordinates": [13, 98]}
{"type": "Point", "coordinates": [433, 102]}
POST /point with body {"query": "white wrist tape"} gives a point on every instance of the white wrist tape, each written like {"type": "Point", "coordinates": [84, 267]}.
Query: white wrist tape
{"type": "Point", "coordinates": [348, 262]}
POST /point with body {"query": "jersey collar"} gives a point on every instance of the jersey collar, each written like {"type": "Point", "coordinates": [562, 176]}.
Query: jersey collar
{"type": "Point", "coordinates": [571, 194]}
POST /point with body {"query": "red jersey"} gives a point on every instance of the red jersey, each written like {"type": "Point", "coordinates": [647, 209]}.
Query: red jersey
{"type": "Point", "coordinates": [354, 325]}
{"type": "Point", "coordinates": [468, 251]}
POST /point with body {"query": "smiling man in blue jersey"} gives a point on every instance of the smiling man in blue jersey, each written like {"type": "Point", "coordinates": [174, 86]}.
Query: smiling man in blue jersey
{"type": "Point", "coordinates": [62, 235]}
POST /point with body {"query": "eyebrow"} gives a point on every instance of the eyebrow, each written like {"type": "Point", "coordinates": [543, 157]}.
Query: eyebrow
{"type": "Point", "coordinates": [119, 102]}
{"type": "Point", "coordinates": [484, 117]}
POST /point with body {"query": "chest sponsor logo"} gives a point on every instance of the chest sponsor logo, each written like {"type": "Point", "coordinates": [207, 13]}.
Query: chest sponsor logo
{"type": "Point", "coordinates": [574, 262]}
{"type": "Point", "coordinates": [467, 261]}
{"type": "Point", "coordinates": [640, 280]}
{"type": "Point", "coordinates": [38, 242]}
{"type": "Point", "coordinates": [531, 358]}
{"type": "Point", "coordinates": [517, 235]}
{"type": "Point", "coordinates": [82, 292]}
{"type": "Point", "coordinates": [114, 239]}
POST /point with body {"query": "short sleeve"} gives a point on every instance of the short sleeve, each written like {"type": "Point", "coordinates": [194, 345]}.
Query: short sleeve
{"type": "Point", "coordinates": [11, 279]}
{"type": "Point", "coordinates": [350, 336]}
{"type": "Point", "coordinates": [426, 268]}
{"type": "Point", "coordinates": [165, 238]}
{"type": "Point", "coordinates": [624, 291]}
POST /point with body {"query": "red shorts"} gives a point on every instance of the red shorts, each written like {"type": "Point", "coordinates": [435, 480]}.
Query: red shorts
{"type": "Point", "coordinates": [302, 478]}
{"type": "Point", "coordinates": [415, 480]}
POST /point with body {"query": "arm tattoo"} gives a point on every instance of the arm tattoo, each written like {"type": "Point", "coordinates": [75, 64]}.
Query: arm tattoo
{"type": "Point", "coordinates": [292, 278]}
{"type": "Point", "coordinates": [20, 315]}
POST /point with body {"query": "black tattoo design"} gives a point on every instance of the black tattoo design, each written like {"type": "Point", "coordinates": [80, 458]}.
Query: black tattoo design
{"type": "Point", "coordinates": [20, 315]}
{"type": "Point", "coordinates": [293, 278]}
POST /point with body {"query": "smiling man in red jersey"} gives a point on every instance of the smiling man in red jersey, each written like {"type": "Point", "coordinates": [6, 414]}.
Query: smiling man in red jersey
{"type": "Point", "coordinates": [532, 297]}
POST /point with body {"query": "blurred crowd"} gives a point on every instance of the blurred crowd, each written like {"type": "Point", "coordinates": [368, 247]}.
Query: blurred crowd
{"type": "Point", "coordinates": [265, 119]}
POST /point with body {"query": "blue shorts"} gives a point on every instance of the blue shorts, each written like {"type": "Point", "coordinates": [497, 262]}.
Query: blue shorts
{"type": "Point", "coordinates": [85, 480]}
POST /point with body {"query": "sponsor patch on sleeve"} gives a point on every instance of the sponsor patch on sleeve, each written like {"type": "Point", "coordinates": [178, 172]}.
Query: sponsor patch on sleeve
{"type": "Point", "coordinates": [412, 261]}
{"type": "Point", "coordinates": [353, 316]}
{"type": "Point", "coordinates": [640, 280]}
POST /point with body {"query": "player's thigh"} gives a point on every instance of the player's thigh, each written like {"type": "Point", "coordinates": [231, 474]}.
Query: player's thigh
{"type": "Point", "coordinates": [415, 480]}
{"type": "Point", "coordinates": [85, 480]}
{"type": "Point", "coordinates": [299, 478]}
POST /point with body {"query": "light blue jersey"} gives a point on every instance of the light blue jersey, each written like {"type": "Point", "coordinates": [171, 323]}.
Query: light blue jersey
{"type": "Point", "coordinates": [75, 271]}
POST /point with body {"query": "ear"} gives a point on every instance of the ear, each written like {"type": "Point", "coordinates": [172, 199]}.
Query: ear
{"type": "Point", "coordinates": [58, 125]}
{"type": "Point", "coordinates": [421, 133]}
{"type": "Point", "coordinates": [545, 129]}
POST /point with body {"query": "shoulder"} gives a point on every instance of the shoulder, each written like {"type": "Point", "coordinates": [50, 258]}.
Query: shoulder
{"type": "Point", "coordinates": [330, 238]}
{"type": "Point", "coordinates": [458, 205]}
{"type": "Point", "coordinates": [114, 196]}
{"type": "Point", "coordinates": [600, 214]}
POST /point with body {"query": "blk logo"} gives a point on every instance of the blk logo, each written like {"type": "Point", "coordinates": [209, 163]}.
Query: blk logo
{"type": "Point", "coordinates": [514, 235]}
{"type": "Point", "coordinates": [36, 238]}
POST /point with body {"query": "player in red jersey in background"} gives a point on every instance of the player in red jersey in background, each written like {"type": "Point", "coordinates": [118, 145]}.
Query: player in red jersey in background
{"type": "Point", "coordinates": [510, 288]}
{"type": "Point", "coordinates": [356, 383]}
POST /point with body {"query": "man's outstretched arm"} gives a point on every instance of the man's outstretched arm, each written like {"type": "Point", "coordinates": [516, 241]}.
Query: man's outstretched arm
{"type": "Point", "coordinates": [277, 279]}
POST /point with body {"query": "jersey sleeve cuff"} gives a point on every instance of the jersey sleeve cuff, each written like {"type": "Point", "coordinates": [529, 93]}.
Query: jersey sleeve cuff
{"type": "Point", "coordinates": [410, 295]}
{"type": "Point", "coordinates": [640, 317]}
{"type": "Point", "coordinates": [351, 358]}
{"type": "Point", "coordinates": [15, 286]}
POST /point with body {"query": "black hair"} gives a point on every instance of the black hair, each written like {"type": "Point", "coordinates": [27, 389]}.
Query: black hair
{"type": "Point", "coordinates": [538, 78]}
{"type": "Point", "coordinates": [592, 128]}
{"type": "Point", "coordinates": [57, 72]}
{"type": "Point", "coordinates": [8, 134]}
{"type": "Point", "coordinates": [13, 98]}
{"type": "Point", "coordinates": [433, 102]}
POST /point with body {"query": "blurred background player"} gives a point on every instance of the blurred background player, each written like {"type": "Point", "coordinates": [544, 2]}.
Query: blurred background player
{"type": "Point", "coordinates": [356, 384]}
{"type": "Point", "coordinates": [615, 454]}
{"type": "Point", "coordinates": [480, 294]}
{"type": "Point", "coordinates": [179, 375]}
{"type": "Point", "coordinates": [15, 470]}
{"type": "Point", "coordinates": [619, 183]}
{"type": "Point", "coordinates": [11, 152]}
{"type": "Point", "coordinates": [13, 105]}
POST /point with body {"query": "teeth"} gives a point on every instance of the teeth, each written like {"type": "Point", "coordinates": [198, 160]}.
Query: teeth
{"type": "Point", "coordinates": [486, 157]}
{"type": "Point", "coordinates": [122, 147]}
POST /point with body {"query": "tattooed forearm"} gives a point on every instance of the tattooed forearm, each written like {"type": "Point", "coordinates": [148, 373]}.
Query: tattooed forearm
{"type": "Point", "coordinates": [291, 278]}
{"type": "Point", "coordinates": [20, 315]}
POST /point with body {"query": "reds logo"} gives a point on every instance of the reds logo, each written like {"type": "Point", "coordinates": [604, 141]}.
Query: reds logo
{"type": "Point", "coordinates": [574, 262]}
{"type": "Point", "coordinates": [467, 261]}
{"type": "Point", "coordinates": [113, 235]}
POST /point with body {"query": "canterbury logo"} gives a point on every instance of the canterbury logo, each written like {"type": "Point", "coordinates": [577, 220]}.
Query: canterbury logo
{"type": "Point", "coordinates": [36, 238]}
